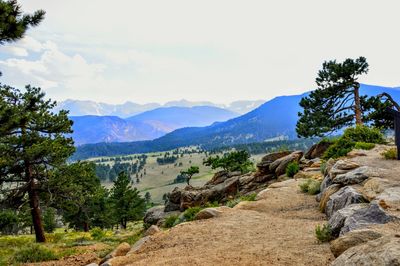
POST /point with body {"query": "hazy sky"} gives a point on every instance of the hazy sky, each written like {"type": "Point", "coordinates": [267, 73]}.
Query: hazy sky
{"type": "Point", "coordinates": [217, 50]}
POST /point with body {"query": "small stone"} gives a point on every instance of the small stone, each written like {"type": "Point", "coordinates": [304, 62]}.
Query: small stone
{"type": "Point", "coordinates": [208, 213]}
{"type": "Point", "coordinates": [352, 239]}
{"type": "Point", "coordinates": [152, 230]}
{"type": "Point", "coordinates": [121, 250]}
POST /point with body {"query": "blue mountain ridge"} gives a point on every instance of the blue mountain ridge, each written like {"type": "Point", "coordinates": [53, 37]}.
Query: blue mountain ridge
{"type": "Point", "coordinates": [275, 118]}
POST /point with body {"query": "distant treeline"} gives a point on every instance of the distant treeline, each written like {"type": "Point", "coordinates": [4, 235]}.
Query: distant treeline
{"type": "Point", "coordinates": [265, 147]}
{"type": "Point", "coordinates": [106, 172]}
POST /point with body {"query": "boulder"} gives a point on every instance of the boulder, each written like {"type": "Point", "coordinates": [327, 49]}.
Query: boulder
{"type": "Point", "coordinates": [317, 150]}
{"type": "Point", "coordinates": [326, 182]}
{"type": "Point", "coordinates": [342, 167]}
{"type": "Point", "coordinates": [121, 250]}
{"type": "Point", "coordinates": [263, 194]}
{"type": "Point", "coordinates": [152, 230]}
{"type": "Point", "coordinates": [374, 186]}
{"type": "Point", "coordinates": [156, 215]}
{"type": "Point", "coordinates": [221, 177]}
{"type": "Point", "coordinates": [336, 222]}
{"type": "Point", "coordinates": [342, 198]}
{"type": "Point", "coordinates": [325, 195]}
{"type": "Point", "coordinates": [173, 200]}
{"type": "Point", "coordinates": [357, 216]}
{"type": "Point", "coordinates": [355, 153]}
{"type": "Point", "coordinates": [138, 245]}
{"type": "Point", "coordinates": [328, 166]}
{"type": "Point", "coordinates": [390, 198]}
{"type": "Point", "coordinates": [210, 213]}
{"type": "Point", "coordinates": [279, 166]}
{"type": "Point", "coordinates": [263, 178]}
{"type": "Point", "coordinates": [352, 239]}
{"type": "Point", "coordinates": [356, 176]}
{"type": "Point", "coordinates": [263, 166]}
{"type": "Point", "coordinates": [384, 251]}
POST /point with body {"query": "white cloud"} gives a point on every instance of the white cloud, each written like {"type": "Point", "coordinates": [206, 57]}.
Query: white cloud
{"type": "Point", "coordinates": [200, 50]}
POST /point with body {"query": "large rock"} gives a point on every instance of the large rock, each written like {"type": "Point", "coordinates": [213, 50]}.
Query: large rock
{"type": "Point", "coordinates": [263, 166]}
{"type": "Point", "coordinates": [384, 251]}
{"type": "Point", "coordinates": [328, 166]}
{"type": "Point", "coordinates": [342, 167]}
{"type": "Point", "coordinates": [325, 195]}
{"type": "Point", "coordinates": [138, 245]}
{"type": "Point", "coordinates": [173, 200]}
{"type": "Point", "coordinates": [156, 215]}
{"type": "Point", "coordinates": [317, 150]}
{"type": "Point", "coordinates": [374, 186]}
{"type": "Point", "coordinates": [211, 213]}
{"type": "Point", "coordinates": [152, 230]}
{"type": "Point", "coordinates": [279, 166]}
{"type": "Point", "coordinates": [390, 198]}
{"type": "Point", "coordinates": [352, 239]}
{"type": "Point", "coordinates": [357, 216]}
{"type": "Point", "coordinates": [221, 177]}
{"type": "Point", "coordinates": [356, 176]}
{"type": "Point", "coordinates": [342, 198]}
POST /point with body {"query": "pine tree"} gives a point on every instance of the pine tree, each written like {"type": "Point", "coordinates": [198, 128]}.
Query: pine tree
{"type": "Point", "coordinates": [128, 205]}
{"type": "Point", "coordinates": [192, 170]}
{"type": "Point", "coordinates": [13, 24]}
{"type": "Point", "coordinates": [32, 142]}
{"type": "Point", "coordinates": [336, 102]}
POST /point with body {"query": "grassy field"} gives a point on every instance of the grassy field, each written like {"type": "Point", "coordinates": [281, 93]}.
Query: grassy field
{"type": "Point", "coordinates": [16, 250]}
{"type": "Point", "coordinates": [159, 178]}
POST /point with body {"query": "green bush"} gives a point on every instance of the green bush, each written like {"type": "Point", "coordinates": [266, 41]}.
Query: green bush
{"type": "Point", "coordinates": [390, 154]}
{"type": "Point", "coordinates": [190, 213]}
{"type": "Point", "coordinates": [249, 197]}
{"type": "Point", "coordinates": [211, 204]}
{"type": "Point", "coordinates": [232, 203]}
{"type": "Point", "coordinates": [364, 146]}
{"type": "Point", "coordinates": [350, 138]}
{"type": "Point", "coordinates": [49, 220]}
{"type": "Point", "coordinates": [34, 253]}
{"type": "Point", "coordinates": [97, 233]}
{"type": "Point", "coordinates": [292, 169]}
{"type": "Point", "coordinates": [170, 221]}
{"type": "Point", "coordinates": [324, 233]}
{"type": "Point", "coordinates": [323, 167]}
{"type": "Point", "coordinates": [310, 186]}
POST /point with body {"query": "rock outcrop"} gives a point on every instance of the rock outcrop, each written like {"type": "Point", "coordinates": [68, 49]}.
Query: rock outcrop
{"type": "Point", "coordinates": [341, 199]}
{"type": "Point", "coordinates": [317, 150]}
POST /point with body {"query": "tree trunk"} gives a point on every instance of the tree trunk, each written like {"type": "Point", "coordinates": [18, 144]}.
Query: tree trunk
{"type": "Point", "coordinates": [86, 226]}
{"type": "Point", "coordinates": [35, 211]}
{"type": "Point", "coordinates": [357, 104]}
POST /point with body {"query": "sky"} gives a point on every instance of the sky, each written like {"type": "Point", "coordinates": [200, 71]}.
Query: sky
{"type": "Point", "coordinates": [215, 50]}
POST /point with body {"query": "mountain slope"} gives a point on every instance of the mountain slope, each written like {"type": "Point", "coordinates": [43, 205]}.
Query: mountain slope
{"type": "Point", "coordinates": [274, 119]}
{"type": "Point", "coordinates": [170, 118]}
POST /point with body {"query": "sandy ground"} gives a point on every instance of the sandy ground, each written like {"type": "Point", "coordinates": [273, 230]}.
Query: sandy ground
{"type": "Point", "coordinates": [276, 230]}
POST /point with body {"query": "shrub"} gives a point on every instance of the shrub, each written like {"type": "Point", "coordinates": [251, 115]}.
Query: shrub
{"type": "Point", "coordinates": [292, 169]}
{"type": "Point", "coordinates": [350, 138]}
{"type": "Point", "coordinates": [324, 233]}
{"type": "Point", "coordinates": [170, 221]}
{"type": "Point", "coordinates": [97, 233]}
{"type": "Point", "coordinates": [249, 197]}
{"type": "Point", "coordinates": [211, 204]}
{"type": "Point", "coordinates": [310, 186]}
{"type": "Point", "coordinates": [364, 146]}
{"type": "Point", "coordinates": [323, 167]}
{"type": "Point", "coordinates": [232, 203]}
{"type": "Point", "coordinates": [390, 154]}
{"type": "Point", "coordinates": [190, 213]}
{"type": "Point", "coordinates": [34, 253]}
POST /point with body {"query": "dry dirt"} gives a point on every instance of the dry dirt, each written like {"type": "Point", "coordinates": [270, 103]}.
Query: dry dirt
{"type": "Point", "coordinates": [275, 230]}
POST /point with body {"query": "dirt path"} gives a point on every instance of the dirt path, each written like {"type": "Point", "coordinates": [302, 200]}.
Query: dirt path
{"type": "Point", "coordinates": [275, 230]}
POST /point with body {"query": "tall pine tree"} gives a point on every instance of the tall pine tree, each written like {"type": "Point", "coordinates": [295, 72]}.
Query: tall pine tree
{"type": "Point", "coordinates": [336, 102]}
{"type": "Point", "coordinates": [32, 143]}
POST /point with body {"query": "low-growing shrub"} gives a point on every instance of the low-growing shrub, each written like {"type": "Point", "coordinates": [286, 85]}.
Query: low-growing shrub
{"type": "Point", "coordinates": [364, 146]}
{"type": "Point", "coordinates": [34, 253]}
{"type": "Point", "coordinates": [323, 167]}
{"type": "Point", "coordinates": [324, 233]}
{"type": "Point", "coordinates": [390, 154]}
{"type": "Point", "coordinates": [292, 169]}
{"type": "Point", "coordinates": [232, 203]}
{"type": "Point", "coordinates": [363, 135]}
{"type": "Point", "coordinates": [170, 221]}
{"type": "Point", "coordinates": [249, 197]}
{"type": "Point", "coordinates": [97, 233]}
{"type": "Point", "coordinates": [190, 213]}
{"type": "Point", "coordinates": [310, 186]}
{"type": "Point", "coordinates": [211, 204]}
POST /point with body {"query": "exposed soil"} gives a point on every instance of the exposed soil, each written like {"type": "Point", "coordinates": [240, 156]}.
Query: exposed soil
{"type": "Point", "coordinates": [275, 230]}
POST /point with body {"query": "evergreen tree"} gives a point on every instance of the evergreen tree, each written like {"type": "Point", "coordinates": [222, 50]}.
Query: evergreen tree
{"type": "Point", "coordinates": [147, 197]}
{"type": "Point", "coordinates": [192, 170]}
{"type": "Point", "coordinates": [13, 24]}
{"type": "Point", "coordinates": [32, 142]}
{"type": "Point", "coordinates": [230, 162]}
{"type": "Point", "coordinates": [128, 205]}
{"type": "Point", "coordinates": [75, 190]}
{"type": "Point", "coordinates": [336, 102]}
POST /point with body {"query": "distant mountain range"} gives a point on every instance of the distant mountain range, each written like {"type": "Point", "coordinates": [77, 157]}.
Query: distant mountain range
{"type": "Point", "coordinates": [145, 126]}
{"type": "Point", "coordinates": [80, 108]}
{"type": "Point", "coordinates": [275, 119]}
